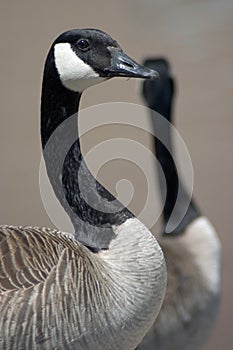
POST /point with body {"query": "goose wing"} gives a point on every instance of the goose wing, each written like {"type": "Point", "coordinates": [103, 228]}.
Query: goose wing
{"type": "Point", "coordinates": [39, 270]}
{"type": "Point", "coordinates": [28, 255]}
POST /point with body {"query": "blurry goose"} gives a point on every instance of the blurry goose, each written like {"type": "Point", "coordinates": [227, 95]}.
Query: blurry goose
{"type": "Point", "coordinates": [191, 250]}
{"type": "Point", "coordinates": [103, 287]}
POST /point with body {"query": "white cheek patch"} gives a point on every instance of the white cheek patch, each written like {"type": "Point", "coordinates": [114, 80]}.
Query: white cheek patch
{"type": "Point", "coordinates": [73, 72]}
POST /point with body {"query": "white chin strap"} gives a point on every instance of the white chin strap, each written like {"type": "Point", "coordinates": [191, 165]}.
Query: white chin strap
{"type": "Point", "coordinates": [74, 74]}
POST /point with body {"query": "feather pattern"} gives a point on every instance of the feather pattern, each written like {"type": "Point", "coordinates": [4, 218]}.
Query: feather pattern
{"type": "Point", "coordinates": [55, 293]}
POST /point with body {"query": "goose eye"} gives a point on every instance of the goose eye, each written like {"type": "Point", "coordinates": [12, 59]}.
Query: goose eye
{"type": "Point", "coordinates": [83, 44]}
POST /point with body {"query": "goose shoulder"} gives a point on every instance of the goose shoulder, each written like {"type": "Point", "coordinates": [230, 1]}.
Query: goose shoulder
{"type": "Point", "coordinates": [194, 256]}
{"type": "Point", "coordinates": [29, 254]}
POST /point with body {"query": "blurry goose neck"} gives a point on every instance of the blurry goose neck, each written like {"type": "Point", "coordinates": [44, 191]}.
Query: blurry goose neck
{"type": "Point", "coordinates": [167, 161]}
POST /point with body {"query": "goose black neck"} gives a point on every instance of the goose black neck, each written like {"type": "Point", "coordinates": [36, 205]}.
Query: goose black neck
{"type": "Point", "coordinates": [57, 105]}
{"type": "Point", "coordinates": [68, 173]}
{"type": "Point", "coordinates": [162, 103]}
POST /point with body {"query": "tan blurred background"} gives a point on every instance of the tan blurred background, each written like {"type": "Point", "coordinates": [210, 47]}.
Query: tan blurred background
{"type": "Point", "coordinates": [197, 38]}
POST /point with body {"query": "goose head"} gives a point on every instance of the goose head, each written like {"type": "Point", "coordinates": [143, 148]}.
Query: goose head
{"type": "Point", "coordinates": [85, 57]}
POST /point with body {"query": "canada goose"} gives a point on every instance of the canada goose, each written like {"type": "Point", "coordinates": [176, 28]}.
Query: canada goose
{"type": "Point", "coordinates": [102, 288]}
{"type": "Point", "coordinates": [192, 249]}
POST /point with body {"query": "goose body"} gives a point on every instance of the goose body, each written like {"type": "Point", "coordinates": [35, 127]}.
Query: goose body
{"type": "Point", "coordinates": [192, 249]}
{"type": "Point", "coordinates": [102, 287]}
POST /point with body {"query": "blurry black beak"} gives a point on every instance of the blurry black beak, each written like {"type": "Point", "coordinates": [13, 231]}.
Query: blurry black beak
{"type": "Point", "coordinates": [123, 66]}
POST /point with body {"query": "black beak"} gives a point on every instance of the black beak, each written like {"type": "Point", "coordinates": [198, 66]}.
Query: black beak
{"type": "Point", "coordinates": [123, 66]}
